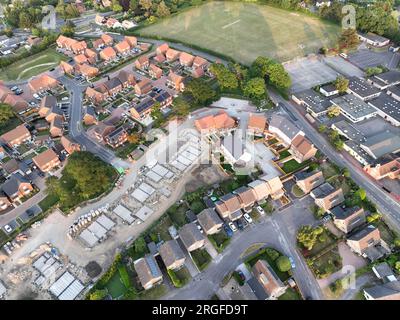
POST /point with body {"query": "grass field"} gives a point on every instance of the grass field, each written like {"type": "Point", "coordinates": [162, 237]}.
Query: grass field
{"type": "Point", "coordinates": [245, 31]}
{"type": "Point", "coordinates": [32, 66]}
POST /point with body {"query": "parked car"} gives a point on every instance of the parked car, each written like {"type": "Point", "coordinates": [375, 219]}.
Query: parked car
{"type": "Point", "coordinates": [200, 229]}
{"type": "Point", "coordinates": [240, 224]}
{"type": "Point", "coordinates": [36, 96]}
{"type": "Point", "coordinates": [7, 228]}
{"type": "Point", "coordinates": [228, 231]}
{"type": "Point", "coordinates": [232, 226]}
{"type": "Point", "coordinates": [15, 88]}
{"type": "Point", "coordinates": [241, 275]}
{"type": "Point", "coordinates": [248, 218]}
{"type": "Point", "coordinates": [292, 264]}
{"type": "Point", "coordinates": [260, 210]}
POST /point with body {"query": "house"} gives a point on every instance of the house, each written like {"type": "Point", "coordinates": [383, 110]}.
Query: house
{"type": "Point", "coordinates": [90, 117]}
{"type": "Point", "coordinates": [159, 58]}
{"type": "Point", "coordinates": [373, 39]}
{"type": "Point", "coordinates": [18, 104]}
{"type": "Point", "coordinates": [186, 59]}
{"type": "Point", "coordinates": [275, 187]}
{"type": "Point", "coordinates": [246, 197]}
{"type": "Point", "coordinates": [126, 24]}
{"type": "Point", "coordinates": [260, 189]}
{"type": "Point", "coordinates": [99, 20]}
{"type": "Point", "coordinates": [302, 149]}
{"type": "Point", "coordinates": [148, 271]}
{"type": "Point", "coordinates": [264, 277]}
{"type": "Point", "coordinates": [113, 23]}
{"type": "Point", "coordinates": [47, 105]}
{"type": "Point", "coordinates": [56, 126]}
{"type": "Point", "coordinates": [327, 197]}
{"type": "Point", "coordinates": [285, 129]}
{"type": "Point", "coordinates": [78, 47]}
{"type": "Point", "coordinates": [71, 44]}
{"type": "Point", "coordinates": [229, 207]}
{"type": "Point", "coordinates": [107, 40]}
{"type": "Point", "coordinates": [46, 160]}
{"type": "Point", "coordinates": [144, 86]}
{"type": "Point", "coordinates": [221, 122]}
{"type": "Point", "coordinates": [308, 181]}
{"type": "Point", "coordinates": [101, 130]}
{"type": "Point", "coordinates": [256, 124]}
{"type": "Point", "coordinates": [387, 166]}
{"type": "Point", "coordinates": [10, 167]}
{"type": "Point", "coordinates": [108, 54]}
{"type": "Point", "coordinates": [80, 58]}
{"type": "Point", "coordinates": [155, 72]}
{"type": "Point", "coordinates": [363, 240]}
{"type": "Point", "coordinates": [233, 148]}
{"type": "Point", "coordinates": [384, 272]}
{"type": "Point", "coordinates": [162, 49]}
{"type": "Point", "coordinates": [16, 136]}
{"type": "Point", "coordinates": [131, 40]}
{"type": "Point", "coordinates": [142, 63]}
{"type": "Point", "coordinates": [113, 86]}
{"type": "Point", "coordinates": [199, 62]}
{"type": "Point", "coordinates": [69, 145]}
{"type": "Point", "coordinates": [66, 67]}
{"type": "Point", "coordinates": [328, 90]}
{"type": "Point", "coordinates": [191, 237]}
{"type": "Point", "coordinates": [98, 44]}
{"type": "Point", "coordinates": [210, 222]}
{"type": "Point", "coordinates": [347, 219]}
{"type": "Point", "coordinates": [354, 108]}
{"type": "Point", "coordinates": [34, 41]}
{"type": "Point", "coordinates": [126, 78]}
{"type": "Point", "coordinates": [172, 55]}
{"type": "Point", "coordinates": [386, 291]}
{"type": "Point", "coordinates": [362, 89]}
{"type": "Point", "coordinates": [116, 138]}
{"type": "Point", "coordinates": [197, 73]}
{"type": "Point", "coordinates": [175, 81]}
{"type": "Point", "coordinates": [16, 187]}
{"type": "Point", "coordinates": [123, 48]}
{"type": "Point", "coordinates": [87, 71]}
{"type": "Point", "coordinates": [172, 255]}
{"type": "Point", "coordinates": [91, 55]}
{"type": "Point", "coordinates": [95, 95]}
{"type": "Point", "coordinates": [42, 83]}
{"type": "Point", "coordinates": [4, 202]}
{"type": "Point", "coordinates": [163, 98]}
{"type": "Point", "coordinates": [142, 109]}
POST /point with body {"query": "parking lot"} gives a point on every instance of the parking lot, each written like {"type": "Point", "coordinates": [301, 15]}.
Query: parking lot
{"type": "Point", "coordinates": [365, 58]}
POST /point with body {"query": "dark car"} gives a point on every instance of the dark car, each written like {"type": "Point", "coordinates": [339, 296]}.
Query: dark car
{"type": "Point", "coordinates": [241, 275]}
{"type": "Point", "coordinates": [52, 69]}
{"type": "Point", "coordinates": [30, 213]}
{"type": "Point", "coordinates": [228, 231]}
{"type": "Point", "coordinates": [240, 224]}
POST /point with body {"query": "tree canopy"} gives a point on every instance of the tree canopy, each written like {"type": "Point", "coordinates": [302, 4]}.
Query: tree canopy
{"type": "Point", "coordinates": [283, 264]}
{"type": "Point", "coordinates": [6, 113]}
{"type": "Point", "coordinates": [308, 236]}
{"type": "Point", "coordinates": [200, 91]}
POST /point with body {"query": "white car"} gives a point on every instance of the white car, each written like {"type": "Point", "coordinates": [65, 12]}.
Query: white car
{"type": "Point", "coordinates": [232, 226]}
{"type": "Point", "coordinates": [248, 218]}
{"type": "Point", "coordinates": [7, 228]}
{"type": "Point", "coordinates": [260, 210]}
{"type": "Point", "coordinates": [36, 96]}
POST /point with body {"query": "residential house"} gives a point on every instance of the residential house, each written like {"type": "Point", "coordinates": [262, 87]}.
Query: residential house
{"type": "Point", "coordinates": [210, 221]}
{"type": "Point", "coordinates": [132, 41]}
{"type": "Point", "coordinates": [16, 136]}
{"type": "Point", "coordinates": [246, 197]}
{"type": "Point", "coordinates": [107, 40]}
{"type": "Point", "coordinates": [10, 167]}
{"type": "Point", "coordinates": [191, 237]}
{"type": "Point", "coordinates": [155, 72]}
{"type": "Point", "coordinates": [47, 106]}
{"type": "Point", "coordinates": [91, 56]}
{"type": "Point", "coordinates": [275, 186]}
{"type": "Point", "coordinates": [159, 58]}
{"type": "Point", "coordinates": [220, 123]}
{"type": "Point", "coordinates": [101, 130]}
{"type": "Point", "coordinates": [108, 54]}
{"type": "Point", "coordinates": [233, 148]}
{"type": "Point", "coordinates": [384, 272]}
{"type": "Point", "coordinates": [123, 48]}
{"type": "Point", "coordinates": [142, 109]}
{"type": "Point", "coordinates": [385, 291]}
{"type": "Point", "coordinates": [302, 149]}
{"type": "Point", "coordinates": [87, 71]}
{"type": "Point", "coordinates": [347, 219]}
{"type": "Point", "coordinates": [363, 241]}
{"type": "Point", "coordinates": [172, 55]}
{"type": "Point", "coordinates": [144, 86]}
{"type": "Point", "coordinates": [66, 67]}
{"type": "Point", "coordinates": [96, 95]}
{"type": "Point", "coordinates": [98, 44]}
{"type": "Point", "coordinates": [388, 166]}
{"type": "Point", "coordinates": [80, 58]}
{"type": "Point", "coordinates": [172, 255]}
{"type": "Point", "coordinates": [256, 124]}
{"type": "Point", "coordinates": [16, 187]}
{"type": "Point", "coordinates": [18, 104]}
{"type": "Point", "coordinates": [116, 138]}
{"type": "Point", "coordinates": [90, 117]}
{"type": "Point", "coordinates": [73, 45]}
{"type": "Point", "coordinates": [199, 62]}
{"type": "Point", "coordinates": [69, 145]}
{"type": "Point", "coordinates": [374, 39]}
{"type": "Point", "coordinates": [197, 73]}
{"type": "Point", "coordinates": [186, 59]}
{"type": "Point", "coordinates": [126, 78]}
{"type": "Point", "coordinates": [56, 126]}
{"type": "Point", "coordinates": [162, 49]}
{"type": "Point", "coordinates": [142, 63]}
{"type": "Point", "coordinates": [308, 181]}
{"type": "Point", "coordinates": [265, 277]}
{"type": "Point", "coordinates": [4, 202]}
{"type": "Point", "coordinates": [126, 24]}
{"type": "Point", "coordinates": [285, 129]}
{"type": "Point", "coordinates": [34, 41]}
{"type": "Point", "coordinates": [42, 83]}
{"type": "Point", "coordinates": [46, 160]}
{"type": "Point", "coordinates": [260, 190]}
{"type": "Point", "coordinates": [175, 81]}
{"type": "Point", "coordinates": [327, 197]}
{"type": "Point", "coordinates": [148, 271]}
{"type": "Point", "coordinates": [113, 86]}
{"type": "Point", "coordinates": [229, 207]}
{"type": "Point", "coordinates": [113, 23]}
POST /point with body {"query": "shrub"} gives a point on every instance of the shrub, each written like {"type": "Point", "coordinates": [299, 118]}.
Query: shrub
{"type": "Point", "coordinates": [98, 294]}
{"type": "Point", "coordinates": [283, 263]}
{"type": "Point", "coordinates": [272, 253]}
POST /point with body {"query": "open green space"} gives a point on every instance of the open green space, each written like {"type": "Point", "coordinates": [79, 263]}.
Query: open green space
{"type": "Point", "coordinates": [32, 66]}
{"type": "Point", "coordinates": [244, 31]}
{"type": "Point", "coordinates": [49, 201]}
{"type": "Point", "coordinates": [115, 286]}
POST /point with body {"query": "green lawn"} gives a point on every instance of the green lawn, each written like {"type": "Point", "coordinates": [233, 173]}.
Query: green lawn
{"type": "Point", "coordinates": [201, 258]}
{"type": "Point", "coordinates": [161, 229]}
{"type": "Point", "coordinates": [179, 277]}
{"type": "Point", "coordinates": [284, 154]}
{"type": "Point", "coordinates": [115, 286]}
{"type": "Point", "coordinates": [32, 66]}
{"type": "Point", "coordinates": [292, 166]}
{"type": "Point", "coordinates": [49, 201]}
{"type": "Point", "coordinates": [290, 294]}
{"type": "Point", "coordinates": [245, 31]}
{"type": "Point", "coordinates": [177, 214]}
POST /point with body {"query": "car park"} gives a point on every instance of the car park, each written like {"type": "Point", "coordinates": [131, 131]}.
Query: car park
{"type": "Point", "coordinates": [36, 96]}
{"type": "Point", "coordinates": [232, 226]}
{"type": "Point", "coordinates": [260, 210]}
{"type": "Point", "coordinates": [248, 218]}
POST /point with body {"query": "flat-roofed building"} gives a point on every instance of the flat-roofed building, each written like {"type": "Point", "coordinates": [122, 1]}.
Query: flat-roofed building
{"type": "Point", "coordinates": [388, 108]}
{"type": "Point", "coordinates": [385, 80]}
{"type": "Point", "coordinates": [354, 108]}
{"type": "Point", "coordinates": [362, 89]}
{"type": "Point", "coordinates": [315, 104]}
{"type": "Point", "coordinates": [381, 144]}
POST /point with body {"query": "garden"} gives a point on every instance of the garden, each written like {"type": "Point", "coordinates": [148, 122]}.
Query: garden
{"type": "Point", "coordinates": [219, 240]}
{"type": "Point", "coordinates": [201, 258]}
{"type": "Point", "coordinates": [180, 277]}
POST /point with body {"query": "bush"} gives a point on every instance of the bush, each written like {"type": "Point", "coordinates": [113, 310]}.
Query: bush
{"type": "Point", "coordinates": [283, 264]}
{"type": "Point", "coordinates": [272, 253]}
{"type": "Point", "coordinates": [175, 280]}
{"type": "Point", "coordinates": [98, 294]}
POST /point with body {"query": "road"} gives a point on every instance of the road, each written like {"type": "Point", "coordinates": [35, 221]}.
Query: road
{"type": "Point", "coordinates": [385, 204]}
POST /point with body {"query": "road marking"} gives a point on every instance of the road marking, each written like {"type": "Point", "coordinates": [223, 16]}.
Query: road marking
{"type": "Point", "coordinates": [230, 24]}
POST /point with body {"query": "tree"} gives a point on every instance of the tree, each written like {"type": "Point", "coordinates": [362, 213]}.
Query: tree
{"type": "Point", "coordinates": [397, 266]}
{"type": "Point", "coordinates": [157, 115]}
{"type": "Point", "coordinates": [333, 111]}
{"type": "Point", "coordinates": [396, 242]}
{"type": "Point", "coordinates": [116, 7]}
{"type": "Point", "coordinates": [346, 172]}
{"type": "Point", "coordinates": [371, 71]}
{"type": "Point", "coordinates": [98, 294]}
{"type": "Point", "coordinates": [341, 84]}
{"type": "Point", "coordinates": [373, 217]}
{"type": "Point", "coordinates": [361, 193]}
{"type": "Point", "coordinates": [25, 20]}
{"type": "Point", "coordinates": [278, 76]}
{"type": "Point", "coordinates": [6, 113]}
{"type": "Point", "coordinates": [201, 91]}
{"type": "Point", "coordinates": [146, 5]}
{"type": "Point", "coordinates": [226, 78]}
{"type": "Point", "coordinates": [181, 107]}
{"type": "Point", "coordinates": [259, 67]}
{"type": "Point", "coordinates": [140, 245]}
{"type": "Point", "coordinates": [308, 236]}
{"type": "Point", "coordinates": [255, 89]}
{"type": "Point", "coordinates": [272, 253]}
{"type": "Point", "coordinates": [283, 264]}
{"type": "Point", "coordinates": [71, 11]}
{"type": "Point", "coordinates": [133, 4]}
{"type": "Point", "coordinates": [348, 39]}
{"type": "Point", "coordinates": [68, 29]}
{"type": "Point", "coordinates": [162, 10]}
{"type": "Point", "coordinates": [134, 138]}
{"type": "Point", "coordinates": [322, 128]}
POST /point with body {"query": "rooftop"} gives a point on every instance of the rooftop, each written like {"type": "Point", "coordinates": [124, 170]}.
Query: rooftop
{"type": "Point", "coordinates": [363, 233]}
{"type": "Point", "coordinates": [389, 77]}
{"type": "Point", "coordinates": [342, 213]}
{"type": "Point", "coordinates": [361, 87]}
{"type": "Point", "coordinates": [284, 125]}
{"type": "Point", "coordinates": [388, 105]}
{"type": "Point", "coordinates": [323, 190]}
{"type": "Point", "coordinates": [354, 106]}
{"type": "Point", "coordinates": [381, 144]}
{"type": "Point", "coordinates": [314, 101]}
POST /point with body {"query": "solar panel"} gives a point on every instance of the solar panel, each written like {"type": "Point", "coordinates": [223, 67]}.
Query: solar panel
{"type": "Point", "coordinates": [153, 267]}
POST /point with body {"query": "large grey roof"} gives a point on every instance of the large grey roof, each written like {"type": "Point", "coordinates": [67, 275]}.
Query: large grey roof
{"type": "Point", "coordinates": [363, 233]}
{"type": "Point", "coordinates": [362, 87]}
{"type": "Point", "coordinates": [342, 213]}
{"type": "Point", "coordinates": [285, 125]}
{"type": "Point", "coordinates": [354, 106]}
{"type": "Point", "coordinates": [170, 252]}
{"type": "Point", "coordinates": [384, 290]}
{"type": "Point", "coordinates": [389, 77]}
{"type": "Point", "coordinates": [314, 101]}
{"type": "Point", "coordinates": [382, 143]}
{"type": "Point", "coordinates": [388, 105]}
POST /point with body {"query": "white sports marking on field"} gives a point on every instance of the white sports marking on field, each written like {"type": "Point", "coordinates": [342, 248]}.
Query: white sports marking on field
{"type": "Point", "coordinates": [230, 24]}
